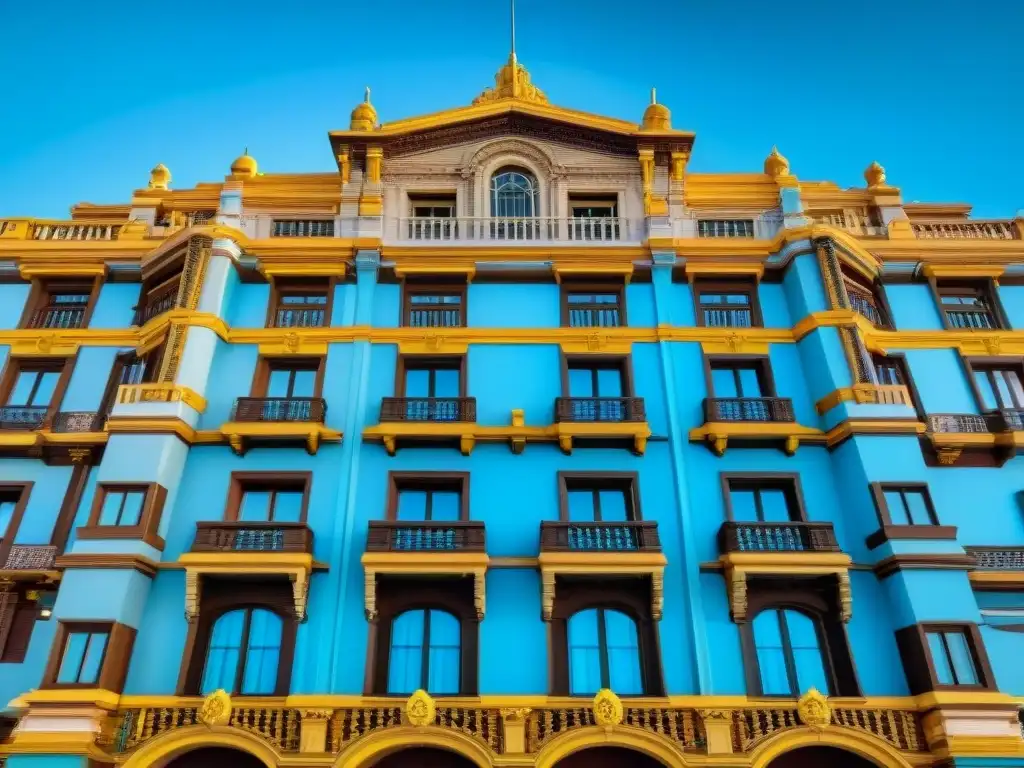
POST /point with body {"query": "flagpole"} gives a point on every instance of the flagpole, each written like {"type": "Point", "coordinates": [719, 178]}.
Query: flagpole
{"type": "Point", "coordinates": [512, 5]}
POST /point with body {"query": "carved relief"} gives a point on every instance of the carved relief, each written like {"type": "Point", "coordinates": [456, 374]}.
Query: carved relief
{"type": "Point", "coordinates": [738, 595]}
{"type": "Point", "coordinates": [608, 711]}
{"type": "Point", "coordinates": [370, 594]}
{"type": "Point", "coordinates": [192, 590]}
{"type": "Point", "coordinates": [657, 594]}
{"type": "Point", "coordinates": [845, 596]}
{"type": "Point", "coordinates": [814, 710]}
{"type": "Point", "coordinates": [547, 595]}
{"type": "Point", "coordinates": [420, 709]}
{"type": "Point", "coordinates": [216, 709]}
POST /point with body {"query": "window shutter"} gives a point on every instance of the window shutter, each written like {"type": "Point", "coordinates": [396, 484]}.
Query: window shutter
{"type": "Point", "coordinates": [22, 623]}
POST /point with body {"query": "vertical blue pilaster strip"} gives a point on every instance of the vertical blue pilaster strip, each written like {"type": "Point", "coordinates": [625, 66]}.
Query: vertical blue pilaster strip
{"type": "Point", "coordinates": [661, 277]}
{"type": "Point", "coordinates": [367, 264]}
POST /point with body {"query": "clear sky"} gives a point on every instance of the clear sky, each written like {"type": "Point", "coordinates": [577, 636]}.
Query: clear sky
{"type": "Point", "coordinates": [93, 95]}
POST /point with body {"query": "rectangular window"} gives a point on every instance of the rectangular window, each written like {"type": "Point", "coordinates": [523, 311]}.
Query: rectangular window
{"type": "Point", "coordinates": [126, 511]}
{"type": "Point", "coordinates": [433, 218]}
{"type": "Point", "coordinates": [268, 497]}
{"type": "Point", "coordinates": [432, 379]}
{"type": "Point", "coordinates": [593, 306]}
{"type": "Point", "coordinates": [434, 307]}
{"type": "Point", "coordinates": [157, 298]}
{"type": "Point", "coordinates": [303, 228]}
{"type": "Point", "coordinates": [82, 658]}
{"type": "Point", "coordinates": [596, 381]}
{"type": "Point", "coordinates": [763, 499]}
{"type": "Point", "coordinates": [889, 371]}
{"type": "Point", "coordinates": [952, 657]}
{"type": "Point", "coordinates": [866, 301]}
{"type": "Point", "coordinates": [968, 307]}
{"type": "Point", "coordinates": [34, 385]}
{"type": "Point", "coordinates": [295, 305]}
{"type": "Point", "coordinates": [599, 498]}
{"type": "Point", "coordinates": [727, 304]}
{"type": "Point", "coordinates": [999, 387]}
{"type": "Point", "coordinates": [61, 306]}
{"type": "Point", "coordinates": [905, 504]}
{"type": "Point", "coordinates": [725, 227]}
{"type": "Point", "coordinates": [428, 497]}
{"type": "Point", "coordinates": [292, 381]}
{"type": "Point", "coordinates": [122, 507]}
{"type": "Point", "coordinates": [594, 218]}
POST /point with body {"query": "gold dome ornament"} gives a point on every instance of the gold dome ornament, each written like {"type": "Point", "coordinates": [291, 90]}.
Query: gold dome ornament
{"type": "Point", "coordinates": [657, 116]}
{"type": "Point", "coordinates": [608, 710]}
{"type": "Point", "coordinates": [159, 177]}
{"type": "Point", "coordinates": [776, 164]}
{"type": "Point", "coordinates": [874, 175]}
{"type": "Point", "coordinates": [813, 710]}
{"type": "Point", "coordinates": [245, 166]}
{"type": "Point", "coordinates": [512, 82]}
{"type": "Point", "coordinates": [420, 709]}
{"type": "Point", "coordinates": [364, 116]}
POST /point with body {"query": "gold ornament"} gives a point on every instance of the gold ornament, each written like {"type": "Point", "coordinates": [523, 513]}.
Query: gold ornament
{"type": "Point", "coordinates": [216, 709]}
{"type": "Point", "coordinates": [607, 708]}
{"type": "Point", "coordinates": [776, 164]}
{"type": "Point", "coordinates": [814, 710]}
{"type": "Point", "coordinates": [874, 175]}
{"type": "Point", "coordinates": [420, 709]}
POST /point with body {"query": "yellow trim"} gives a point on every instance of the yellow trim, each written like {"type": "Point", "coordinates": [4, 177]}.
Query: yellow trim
{"type": "Point", "coordinates": [554, 564]}
{"type": "Point", "coordinates": [851, 427]}
{"type": "Point", "coordinates": [153, 425]}
{"type": "Point", "coordinates": [939, 271]}
{"type": "Point", "coordinates": [865, 394]}
{"type": "Point", "coordinates": [165, 747]}
{"type": "Point", "coordinates": [725, 268]}
{"type": "Point", "coordinates": [96, 697]}
{"type": "Point", "coordinates": [238, 433]}
{"type": "Point", "coordinates": [161, 393]}
{"type": "Point", "coordinates": [996, 577]}
{"type": "Point", "coordinates": [622, 272]}
{"type": "Point", "coordinates": [424, 562]}
{"type": "Point", "coordinates": [984, 746]}
{"type": "Point", "coordinates": [875, 750]}
{"type": "Point", "coordinates": [787, 562]}
{"type": "Point", "coordinates": [718, 433]}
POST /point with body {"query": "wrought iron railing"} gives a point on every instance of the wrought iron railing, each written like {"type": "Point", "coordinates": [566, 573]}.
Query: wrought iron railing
{"type": "Point", "coordinates": [280, 409]}
{"type": "Point", "coordinates": [1003, 420]}
{"type": "Point", "coordinates": [435, 316]}
{"type": "Point", "coordinates": [777, 537]}
{"type": "Point", "coordinates": [30, 557]}
{"type": "Point", "coordinates": [135, 726]}
{"type": "Point", "coordinates": [77, 421]}
{"type": "Point", "coordinates": [428, 409]}
{"type": "Point", "coordinates": [294, 317]}
{"type": "Point", "coordinates": [425, 536]}
{"type": "Point", "coordinates": [977, 229]}
{"type": "Point", "coordinates": [58, 316]}
{"type": "Point", "coordinates": [594, 315]}
{"type": "Point", "coordinates": [22, 417]}
{"type": "Point", "coordinates": [608, 409]}
{"type": "Point", "coordinates": [970, 319]}
{"type": "Point", "coordinates": [626, 536]}
{"type": "Point", "coordinates": [901, 728]}
{"type": "Point", "coordinates": [997, 558]}
{"type": "Point", "coordinates": [727, 317]}
{"type": "Point", "coordinates": [243, 536]}
{"type": "Point", "coordinates": [748, 409]}
{"type": "Point", "coordinates": [864, 304]}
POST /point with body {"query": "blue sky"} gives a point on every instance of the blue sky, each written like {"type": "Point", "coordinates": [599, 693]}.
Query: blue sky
{"type": "Point", "coordinates": [93, 95]}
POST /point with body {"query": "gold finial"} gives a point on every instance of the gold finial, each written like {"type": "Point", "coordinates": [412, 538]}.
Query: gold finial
{"type": "Point", "coordinates": [216, 709]}
{"type": "Point", "coordinates": [657, 116]}
{"type": "Point", "coordinates": [159, 177]}
{"type": "Point", "coordinates": [654, 95]}
{"type": "Point", "coordinates": [874, 175]}
{"type": "Point", "coordinates": [776, 164]}
{"type": "Point", "coordinates": [420, 709]}
{"type": "Point", "coordinates": [607, 708]}
{"type": "Point", "coordinates": [364, 116]}
{"type": "Point", "coordinates": [245, 166]}
{"type": "Point", "coordinates": [814, 710]}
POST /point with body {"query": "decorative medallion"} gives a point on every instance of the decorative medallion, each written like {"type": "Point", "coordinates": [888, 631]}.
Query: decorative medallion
{"type": "Point", "coordinates": [515, 714]}
{"type": "Point", "coordinates": [814, 710]}
{"type": "Point", "coordinates": [216, 709]}
{"type": "Point", "coordinates": [291, 342]}
{"type": "Point", "coordinates": [420, 709]}
{"type": "Point", "coordinates": [607, 708]}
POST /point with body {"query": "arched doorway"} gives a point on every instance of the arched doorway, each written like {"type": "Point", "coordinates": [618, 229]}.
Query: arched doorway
{"type": "Point", "coordinates": [424, 757]}
{"type": "Point", "coordinates": [215, 757]}
{"type": "Point", "coordinates": [608, 757]}
{"type": "Point", "coordinates": [816, 757]}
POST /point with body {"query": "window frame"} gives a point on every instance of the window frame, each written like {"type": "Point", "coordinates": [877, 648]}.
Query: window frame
{"type": "Point", "coordinates": [973, 365]}
{"type": "Point", "coordinates": [243, 655]}
{"type": "Point", "coordinates": [899, 361]}
{"type": "Point", "coordinates": [24, 491]}
{"type": "Point", "coordinates": [749, 286]}
{"type": "Point", "coordinates": [761, 364]}
{"type": "Point", "coordinates": [412, 288]}
{"type": "Point", "coordinates": [308, 286]}
{"type": "Point", "coordinates": [627, 482]}
{"type": "Point", "coordinates": [42, 291]}
{"type": "Point", "coordinates": [787, 482]}
{"type": "Point", "coordinates": [241, 482]}
{"type": "Point", "coordinates": [265, 365]}
{"type": "Point", "coordinates": [919, 665]}
{"type": "Point", "coordinates": [568, 287]}
{"type": "Point", "coordinates": [602, 647]}
{"type": "Point", "coordinates": [424, 649]}
{"type": "Point", "coordinates": [412, 362]}
{"type": "Point", "coordinates": [113, 668]}
{"type": "Point", "coordinates": [149, 519]}
{"type": "Point", "coordinates": [984, 289]}
{"type": "Point", "coordinates": [428, 481]}
{"type": "Point", "coordinates": [64, 366]}
{"type": "Point", "coordinates": [891, 531]}
{"type": "Point", "coordinates": [877, 291]}
{"type": "Point", "coordinates": [598, 361]}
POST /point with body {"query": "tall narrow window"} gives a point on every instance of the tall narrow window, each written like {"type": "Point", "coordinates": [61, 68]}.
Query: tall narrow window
{"type": "Point", "coordinates": [514, 194]}
{"type": "Point", "coordinates": [763, 500]}
{"type": "Point", "coordinates": [432, 388]}
{"type": "Point", "coordinates": [952, 657]}
{"type": "Point", "coordinates": [789, 657]}
{"type": "Point", "coordinates": [999, 387]}
{"type": "Point", "coordinates": [61, 306]}
{"type": "Point", "coordinates": [82, 658]}
{"type": "Point", "coordinates": [285, 389]}
{"type": "Point", "coordinates": [597, 390]}
{"type": "Point", "coordinates": [889, 370]}
{"type": "Point", "coordinates": [604, 652]}
{"type": "Point", "coordinates": [866, 300]}
{"type": "Point", "coordinates": [425, 653]}
{"type": "Point", "coordinates": [243, 653]}
{"type": "Point", "coordinates": [742, 389]}
{"type": "Point", "coordinates": [968, 307]}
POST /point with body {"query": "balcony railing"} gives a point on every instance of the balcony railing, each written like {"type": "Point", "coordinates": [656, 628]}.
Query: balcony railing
{"type": "Point", "coordinates": [748, 409]}
{"type": "Point", "coordinates": [994, 229]}
{"type": "Point", "coordinates": [998, 558]}
{"type": "Point", "coordinates": [852, 221]}
{"type": "Point", "coordinates": [627, 536]}
{"type": "Point", "coordinates": [777, 537]}
{"type": "Point", "coordinates": [863, 303]}
{"type": "Point", "coordinates": [1003, 420]}
{"type": "Point", "coordinates": [428, 409]}
{"type": "Point", "coordinates": [294, 317]}
{"type": "Point", "coordinates": [240, 536]}
{"type": "Point", "coordinates": [302, 228]}
{"type": "Point", "coordinates": [970, 319]}
{"type": "Point", "coordinates": [30, 557]}
{"type": "Point", "coordinates": [58, 316]}
{"type": "Point", "coordinates": [727, 317]}
{"type": "Point", "coordinates": [741, 224]}
{"type": "Point", "coordinates": [425, 536]}
{"type": "Point", "coordinates": [515, 229]}
{"type": "Point", "coordinates": [610, 409]}
{"type": "Point", "coordinates": [435, 316]}
{"type": "Point", "coordinates": [21, 417]}
{"type": "Point", "coordinates": [71, 231]}
{"type": "Point", "coordinates": [280, 409]}
{"type": "Point", "coordinates": [594, 315]}
{"type": "Point", "coordinates": [77, 421]}
{"type": "Point", "coordinates": [156, 304]}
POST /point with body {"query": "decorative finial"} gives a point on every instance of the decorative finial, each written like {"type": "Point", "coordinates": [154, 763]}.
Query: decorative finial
{"type": "Point", "coordinates": [246, 152]}
{"type": "Point", "coordinates": [364, 116]}
{"type": "Point", "coordinates": [159, 177]}
{"type": "Point", "coordinates": [776, 164]}
{"type": "Point", "coordinates": [512, 54]}
{"type": "Point", "coordinates": [654, 95]}
{"type": "Point", "coordinates": [366, 96]}
{"type": "Point", "coordinates": [657, 116]}
{"type": "Point", "coordinates": [874, 175]}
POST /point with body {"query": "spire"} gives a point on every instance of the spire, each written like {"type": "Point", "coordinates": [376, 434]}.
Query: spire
{"type": "Point", "coordinates": [654, 95]}
{"type": "Point", "coordinates": [512, 4]}
{"type": "Point", "coordinates": [366, 96]}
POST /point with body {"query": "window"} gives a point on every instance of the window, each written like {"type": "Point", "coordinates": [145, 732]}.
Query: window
{"type": "Point", "coordinates": [425, 653]}
{"type": "Point", "coordinates": [285, 389]}
{"type": "Point", "coordinates": [905, 511]}
{"type": "Point", "coordinates": [789, 658]}
{"type": "Point", "coordinates": [944, 655]}
{"type": "Point", "coordinates": [157, 298]}
{"type": "Point", "coordinates": [727, 304]}
{"type": "Point", "coordinates": [599, 497]}
{"type": "Point", "coordinates": [122, 507]}
{"type": "Point", "coordinates": [594, 218]}
{"type": "Point", "coordinates": [604, 652]}
{"type": "Point", "coordinates": [593, 306]}
{"type": "Point", "coordinates": [763, 498]}
{"type": "Point", "coordinates": [434, 307]}
{"type": "Point", "coordinates": [18, 615]}
{"type": "Point", "coordinates": [866, 299]}
{"type": "Point", "coordinates": [908, 506]}
{"type": "Point", "coordinates": [244, 653]}
{"type": "Point", "coordinates": [126, 511]}
{"type": "Point", "coordinates": [13, 499]}
{"type": "Point", "coordinates": [432, 218]}
{"type": "Point", "coordinates": [34, 385]}
{"type": "Point", "coordinates": [998, 386]}
{"type": "Point", "coordinates": [428, 501]}
{"type": "Point", "coordinates": [82, 658]}
{"type": "Point", "coordinates": [969, 307]}
{"type": "Point", "coordinates": [596, 389]}
{"type": "Point", "coordinates": [61, 306]}
{"type": "Point", "coordinates": [89, 654]}
{"type": "Point", "coordinates": [300, 305]}
{"type": "Point", "coordinates": [889, 370]}
{"type": "Point", "coordinates": [514, 194]}
{"type": "Point", "coordinates": [432, 388]}
{"type": "Point", "coordinates": [725, 227]}
{"type": "Point", "coordinates": [303, 228]}
{"type": "Point", "coordinates": [292, 379]}
{"type": "Point", "coordinates": [952, 658]}
{"type": "Point", "coordinates": [742, 389]}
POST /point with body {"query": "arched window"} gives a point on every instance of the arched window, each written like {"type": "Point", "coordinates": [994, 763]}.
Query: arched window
{"type": "Point", "coordinates": [789, 657]}
{"type": "Point", "coordinates": [243, 653]}
{"type": "Point", "coordinates": [604, 652]}
{"type": "Point", "coordinates": [425, 653]}
{"type": "Point", "coordinates": [514, 194]}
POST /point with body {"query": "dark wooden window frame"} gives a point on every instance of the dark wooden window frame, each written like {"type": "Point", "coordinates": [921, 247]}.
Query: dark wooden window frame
{"type": "Point", "coordinates": [222, 595]}
{"type": "Point", "coordinates": [395, 596]}
{"type": "Point", "coordinates": [760, 363]}
{"type": "Point", "coordinates": [787, 482]}
{"type": "Point", "coordinates": [986, 287]}
{"type": "Point", "coordinates": [23, 491]}
{"type": "Point", "coordinates": [17, 621]}
{"type": "Point", "coordinates": [149, 521]}
{"type": "Point", "coordinates": [264, 366]}
{"type": "Point", "coordinates": [427, 362]}
{"type": "Point", "coordinates": [43, 290]}
{"type": "Point", "coordinates": [427, 481]}
{"type": "Point", "coordinates": [813, 598]}
{"type": "Point", "coordinates": [412, 288]}
{"type": "Point", "coordinates": [920, 666]}
{"type": "Point", "coordinates": [15, 365]}
{"type": "Point", "coordinates": [974, 365]}
{"type": "Point", "coordinates": [113, 664]}
{"type": "Point", "coordinates": [569, 286]}
{"type": "Point", "coordinates": [629, 596]}
{"type": "Point", "coordinates": [241, 482]}
{"type": "Point", "coordinates": [877, 290]}
{"type": "Point", "coordinates": [122, 362]}
{"type": "Point", "coordinates": [889, 530]}
{"type": "Point", "coordinates": [748, 285]}
{"type": "Point", "coordinates": [622, 363]}
{"type": "Point", "coordinates": [899, 359]}
{"type": "Point", "coordinates": [308, 286]}
{"type": "Point", "coordinates": [627, 482]}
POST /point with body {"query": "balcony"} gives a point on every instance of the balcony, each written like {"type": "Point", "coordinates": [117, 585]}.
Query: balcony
{"type": "Point", "coordinates": [756, 409]}
{"type": "Point", "coordinates": [429, 536]}
{"type": "Point", "coordinates": [23, 417]}
{"type": "Point", "coordinates": [752, 421]}
{"type": "Point", "coordinates": [601, 421]}
{"type": "Point", "coordinates": [999, 433]}
{"type": "Point", "coordinates": [30, 563]}
{"type": "Point", "coordinates": [74, 231]}
{"type": "Point", "coordinates": [156, 304]}
{"type": "Point", "coordinates": [571, 549]}
{"type": "Point", "coordinates": [302, 228]}
{"type": "Point", "coordinates": [430, 409]}
{"type": "Point", "coordinates": [728, 224]}
{"type": "Point", "coordinates": [977, 229]}
{"type": "Point", "coordinates": [777, 537]}
{"type": "Point", "coordinates": [266, 421]}
{"type": "Point", "coordinates": [68, 422]}
{"type": "Point", "coordinates": [864, 303]}
{"type": "Point", "coordinates": [240, 536]}
{"type": "Point", "coordinates": [526, 230]}
{"type": "Point", "coordinates": [855, 222]}
{"type": "Point", "coordinates": [406, 421]}
{"type": "Point", "coordinates": [997, 567]}
{"type": "Point", "coordinates": [61, 316]}
{"type": "Point", "coordinates": [970, 318]}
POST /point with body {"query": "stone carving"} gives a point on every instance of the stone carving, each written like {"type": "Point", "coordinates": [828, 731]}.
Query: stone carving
{"type": "Point", "coordinates": [814, 710]}
{"type": "Point", "coordinates": [420, 709]}
{"type": "Point", "coordinates": [216, 709]}
{"type": "Point", "coordinates": [608, 710]}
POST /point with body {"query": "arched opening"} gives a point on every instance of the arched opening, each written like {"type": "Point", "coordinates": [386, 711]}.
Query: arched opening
{"type": "Point", "coordinates": [215, 757]}
{"type": "Point", "coordinates": [424, 757]}
{"type": "Point", "coordinates": [609, 757]}
{"type": "Point", "coordinates": [514, 193]}
{"type": "Point", "coordinates": [813, 757]}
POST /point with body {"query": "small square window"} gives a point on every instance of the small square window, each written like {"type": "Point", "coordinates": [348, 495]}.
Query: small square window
{"type": "Point", "coordinates": [122, 508]}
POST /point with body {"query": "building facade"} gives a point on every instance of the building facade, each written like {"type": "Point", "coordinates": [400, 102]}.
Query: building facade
{"type": "Point", "coordinates": [512, 443]}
